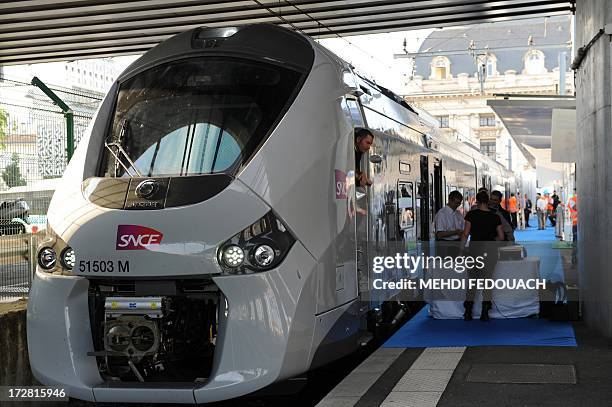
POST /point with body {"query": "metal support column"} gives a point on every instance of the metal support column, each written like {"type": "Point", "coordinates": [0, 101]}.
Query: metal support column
{"type": "Point", "coordinates": [68, 114]}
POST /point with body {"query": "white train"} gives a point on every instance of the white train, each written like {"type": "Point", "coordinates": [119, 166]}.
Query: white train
{"type": "Point", "coordinates": [207, 238]}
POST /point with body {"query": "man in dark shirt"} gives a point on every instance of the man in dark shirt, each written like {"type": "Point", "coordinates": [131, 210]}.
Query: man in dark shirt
{"type": "Point", "coordinates": [483, 225]}
{"type": "Point", "coordinates": [363, 141]}
{"type": "Point", "coordinates": [494, 204]}
{"type": "Point", "coordinates": [556, 201]}
{"type": "Point", "coordinates": [553, 214]}
{"type": "Point", "coordinates": [528, 209]}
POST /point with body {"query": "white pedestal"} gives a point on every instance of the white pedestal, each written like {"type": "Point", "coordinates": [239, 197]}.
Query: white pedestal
{"type": "Point", "coordinates": [506, 303]}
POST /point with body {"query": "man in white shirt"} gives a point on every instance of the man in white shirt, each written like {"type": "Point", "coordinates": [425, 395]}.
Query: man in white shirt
{"type": "Point", "coordinates": [448, 221]}
{"type": "Point", "coordinates": [541, 207]}
{"type": "Point", "coordinates": [448, 224]}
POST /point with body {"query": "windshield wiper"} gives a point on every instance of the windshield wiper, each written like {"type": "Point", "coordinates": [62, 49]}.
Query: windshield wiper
{"type": "Point", "coordinates": [120, 150]}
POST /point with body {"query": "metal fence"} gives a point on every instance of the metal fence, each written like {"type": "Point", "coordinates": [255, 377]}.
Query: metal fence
{"type": "Point", "coordinates": [32, 160]}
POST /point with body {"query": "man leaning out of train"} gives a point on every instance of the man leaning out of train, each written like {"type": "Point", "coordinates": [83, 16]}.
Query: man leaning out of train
{"type": "Point", "coordinates": [363, 141]}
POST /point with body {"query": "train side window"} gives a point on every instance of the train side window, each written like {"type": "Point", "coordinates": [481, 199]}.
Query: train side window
{"type": "Point", "coordinates": [461, 209]}
{"type": "Point", "coordinates": [404, 167]}
{"type": "Point", "coordinates": [355, 112]}
{"type": "Point", "coordinates": [405, 204]}
{"type": "Point", "coordinates": [446, 191]}
{"type": "Point", "coordinates": [469, 200]}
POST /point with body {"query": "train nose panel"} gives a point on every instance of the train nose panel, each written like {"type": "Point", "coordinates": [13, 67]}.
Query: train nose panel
{"type": "Point", "coordinates": [156, 243]}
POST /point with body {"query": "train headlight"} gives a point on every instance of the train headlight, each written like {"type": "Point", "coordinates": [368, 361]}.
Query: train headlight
{"type": "Point", "coordinates": [47, 258]}
{"type": "Point", "coordinates": [259, 247]}
{"type": "Point", "coordinates": [47, 255]}
{"type": "Point", "coordinates": [232, 256]}
{"type": "Point", "coordinates": [67, 258]}
{"type": "Point", "coordinates": [263, 255]}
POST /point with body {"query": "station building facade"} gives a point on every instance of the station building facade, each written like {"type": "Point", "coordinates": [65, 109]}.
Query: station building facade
{"type": "Point", "coordinates": [456, 71]}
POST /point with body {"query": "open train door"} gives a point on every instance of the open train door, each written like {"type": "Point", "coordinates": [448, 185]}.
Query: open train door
{"type": "Point", "coordinates": [361, 208]}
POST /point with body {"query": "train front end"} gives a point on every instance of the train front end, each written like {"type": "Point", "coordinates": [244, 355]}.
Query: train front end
{"type": "Point", "coordinates": [163, 276]}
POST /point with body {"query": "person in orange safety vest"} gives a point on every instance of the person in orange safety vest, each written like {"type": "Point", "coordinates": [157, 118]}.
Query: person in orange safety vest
{"type": "Point", "coordinates": [572, 205]}
{"type": "Point", "coordinates": [513, 209]}
{"type": "Point", "coordinates": [573, 210]}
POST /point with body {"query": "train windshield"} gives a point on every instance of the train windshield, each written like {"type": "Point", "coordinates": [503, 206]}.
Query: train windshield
{"type": "Point", "coordinates": [195, 116]}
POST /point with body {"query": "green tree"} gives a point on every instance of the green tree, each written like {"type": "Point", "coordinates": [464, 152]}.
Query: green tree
{"type": "Point", "coordinates": [12, 173]}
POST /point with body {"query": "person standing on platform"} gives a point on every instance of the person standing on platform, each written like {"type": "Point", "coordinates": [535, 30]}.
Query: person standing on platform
{"type": "Point", "coordinates": [449, 225]}
{"type": "Point", "coordinates": [541, 205]}
{"type": "Point", "coordinates": [528, 208]}
{"type": "Point", "coordinates": [483, 228]}
{"type": "Point", "coordinates": [555, 201]}
{"type": "Point", "coordinates": [513, 209]}
{"type": "Point", "coordinates": [572, 205]}
{"type": "Point", "coordinates": [475, 205]}
{"type": "Point", "coordinates": [550, 211]}
{"type": "Point", "coordinates": [504, 215]}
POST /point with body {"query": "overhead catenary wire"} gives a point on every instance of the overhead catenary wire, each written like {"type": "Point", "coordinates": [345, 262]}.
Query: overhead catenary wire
{"type": "Point", "coordinates": [38, 109]}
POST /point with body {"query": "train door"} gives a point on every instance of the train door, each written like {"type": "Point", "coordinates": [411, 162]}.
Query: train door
{"type": "Point", "coordinates": [362, 211]}
{"type": "Point", "coordinates": [506, 194]}
{"type": "Point", "coordinates": [423, 199]}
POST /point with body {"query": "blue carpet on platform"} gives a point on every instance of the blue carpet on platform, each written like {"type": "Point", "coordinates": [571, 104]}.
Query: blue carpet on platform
{"type": "Point", "coordinates": [535, 235]}
{"type": "Point", "coordinates": [424, 332]}
{"type": "Point", "coordinates": [539, 243]}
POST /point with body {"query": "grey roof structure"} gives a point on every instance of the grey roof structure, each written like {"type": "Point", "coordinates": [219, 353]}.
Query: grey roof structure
{"type": "Point", "coordinates": [508, 41]}
{"type": "Point", "coordinates": [50, 30]}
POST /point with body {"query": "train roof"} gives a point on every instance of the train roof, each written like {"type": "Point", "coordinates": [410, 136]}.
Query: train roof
{"type": "Point", "coordinates": [295, 49]}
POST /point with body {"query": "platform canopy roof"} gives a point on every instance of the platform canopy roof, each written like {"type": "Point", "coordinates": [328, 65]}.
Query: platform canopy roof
{"type": "Point", "coordinates": [529, 118]}
{"type": "Point", "coordinates": [51, 30]}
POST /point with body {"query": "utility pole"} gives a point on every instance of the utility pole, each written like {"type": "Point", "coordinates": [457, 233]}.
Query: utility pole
{"type": "Point", "coordinates": [68, 114]}
{"type": "Point", "coordinates": [481, 60]}
{"type": "Point", "coordinates": [562, 69]}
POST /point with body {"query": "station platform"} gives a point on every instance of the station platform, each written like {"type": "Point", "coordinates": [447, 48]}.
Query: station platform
{"type": "Point", "coordinates": [482, 376]}
{"type": "Point", "coordinates": [506, 362]}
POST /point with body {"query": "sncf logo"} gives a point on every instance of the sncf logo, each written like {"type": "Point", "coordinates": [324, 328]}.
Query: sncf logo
{"type": "Point", "coordinates": [134, 237]}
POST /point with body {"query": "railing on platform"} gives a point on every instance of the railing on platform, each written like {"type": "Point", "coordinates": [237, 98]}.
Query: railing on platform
{"type": "Point", "coordinates": [17, 264]}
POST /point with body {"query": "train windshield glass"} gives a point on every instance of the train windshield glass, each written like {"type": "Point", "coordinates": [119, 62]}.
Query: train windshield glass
{"type": "Point", "coordinates": [195, 116]}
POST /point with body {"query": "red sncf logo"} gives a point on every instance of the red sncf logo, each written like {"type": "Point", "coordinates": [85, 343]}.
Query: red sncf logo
{"type": "Point", "coordinates": [135, 237]}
